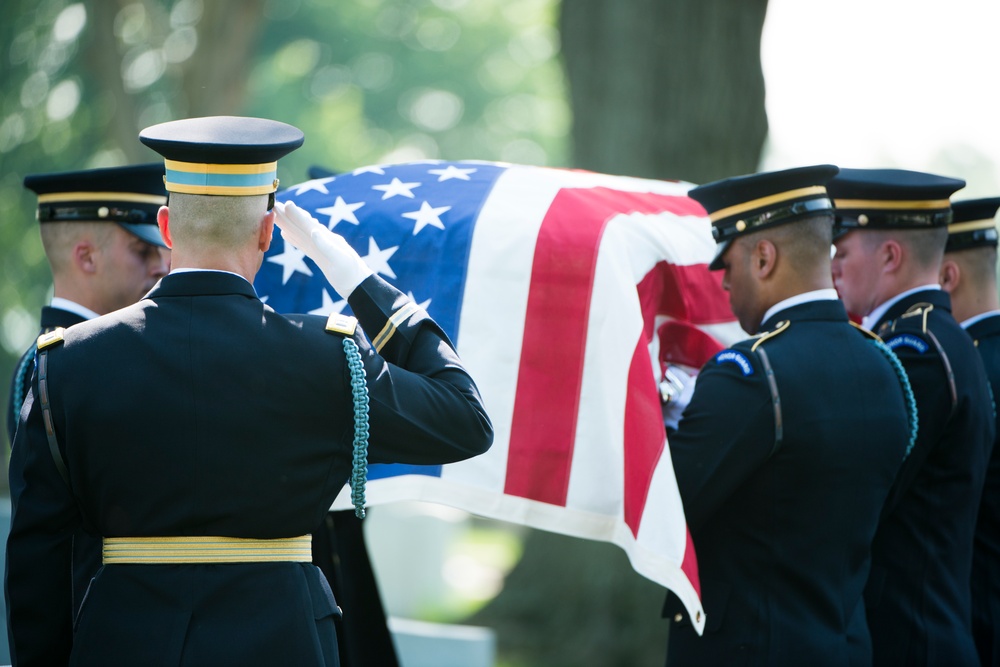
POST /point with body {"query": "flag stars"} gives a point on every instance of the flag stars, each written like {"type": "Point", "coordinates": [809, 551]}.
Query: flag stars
{"type": "Point", "coordinates": [374, 169]}
{"type": "Point", "coordinates": [427, 215]}
{"type": "Point", "coordinates": [341, 211]}
{"type": "Point", "coordinates": [451, 172]}
{"type": "Point", "coordinates": [329, 306]}
{"type": "Point", "coordinates": [291, 261]}
{"type": "Point", "coordinates": [396, 187]}
{"type": "Point", "coordinates": [317, 184]}
{"type": "Point", "coordinates": [423, 305]}
{"type": "Point", "coordinates": [378, 259]}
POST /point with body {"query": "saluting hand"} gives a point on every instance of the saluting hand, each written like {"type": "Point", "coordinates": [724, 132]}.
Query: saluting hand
{"type": "Point", "coordinates": [343, 267]}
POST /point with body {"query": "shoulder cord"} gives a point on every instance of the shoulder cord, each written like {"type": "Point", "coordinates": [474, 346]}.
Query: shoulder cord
{"type": "Point", "coordinates": [22, 370]}
{"type": "Point", "coordinates": [42, 365]}
{"type": "Point", "coordinates": [779, 431]}
{"type": "Point", "coordinates": [904, 381]}
{"type": "Point", "coordinates": [947, 369]}
{"type": "Point", "coordinates": [359, 389]}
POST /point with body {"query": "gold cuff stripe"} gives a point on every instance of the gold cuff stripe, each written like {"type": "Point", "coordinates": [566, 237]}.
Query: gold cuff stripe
{"type": "Point", "coordinates": [970, 226]}
{"type": "Point", "coordinates": [233, 191]}
{"type": "Point", "coordinates": [767, 201]}
{"type": "Point", "coordinates": [57, 197]}
{"type": "Point", "coordinates": [204, 549]}
{"type": "Point", "coordinates": [201, 168]}
{"type": "Point", "coordinates": [389, 329]}
{"type": "Point", "coordinates": [886, 204]}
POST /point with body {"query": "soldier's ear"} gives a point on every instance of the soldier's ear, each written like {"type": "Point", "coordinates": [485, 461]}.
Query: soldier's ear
{"type": "Point", "coordinates": [85, 255]}
{"type": "Point", "coordinates": [950, 276]}
{"type": "Point", "coordinates": [163, 222]}
{"type": "Point", "coordinates": [765, 258]}
{"type": "Point", "coordinates": [266, 231]}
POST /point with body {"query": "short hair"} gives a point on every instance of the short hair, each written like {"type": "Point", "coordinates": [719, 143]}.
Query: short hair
{"type": "Point", "coordinates": [59, 238]}
{"type": "Point", "coordinates": [218, 221]}
{"type": "Point", "coordinates": [978, 264]}
{"type": "Point", "coordinates": [926, 246]}
{"type": "Point", "coordinates": [802, 243]}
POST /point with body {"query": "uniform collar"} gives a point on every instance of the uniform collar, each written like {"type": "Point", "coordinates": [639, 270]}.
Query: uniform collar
{"type": "Point", "coordinates": [813, 309]}
{"type": "Point", "coordinates": [198, 282]}
{"type": "Point", "coordinates": [805, 297]}
{"type": "Point", "coordinates": [979, 318]}
{"type": "Point", "coordinates": [872, 319]}
{"type": "Point", "coordinates": [60, 303]}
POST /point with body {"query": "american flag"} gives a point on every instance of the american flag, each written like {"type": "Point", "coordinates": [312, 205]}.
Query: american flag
{"type": "Point", "coordinates": [566, 293]}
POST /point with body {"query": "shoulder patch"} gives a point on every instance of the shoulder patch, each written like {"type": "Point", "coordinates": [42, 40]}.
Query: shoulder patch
{"type": "Point", "coordinates": [341, 324]}
{"type": "Point", "coordinates": [908, 340]}
{"type": "Point", "coordinates": [50, 338]}
{"type": "Point", "coordinates": [735, 357]}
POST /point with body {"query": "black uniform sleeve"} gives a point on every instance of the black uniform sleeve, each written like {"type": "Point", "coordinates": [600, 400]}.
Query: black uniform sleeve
{"type": "Point", "coordinates": [38, 580]}
{"type": "Point", "coordinates": [726, 433]}
{"type": "Point", "coordinates": [425, 408]}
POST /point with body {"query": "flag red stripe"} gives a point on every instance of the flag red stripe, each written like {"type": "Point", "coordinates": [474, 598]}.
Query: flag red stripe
{"type": "Point", "coordinates": [550, 373]}
{"type": "Point", "coordinates": [645, 437]}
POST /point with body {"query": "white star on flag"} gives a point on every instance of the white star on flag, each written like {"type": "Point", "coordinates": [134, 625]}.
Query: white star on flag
{"type": "Point", "coordinates": [329, 306]}
{"type": "Point", "coordinates": [291, 260]}
{"type": "Point", "coordinates": [374, 169]}
{"type": "Point", "coordinates": [317, 184]}
{"type": "Point", "coordinates": [396, 187]}
{"type": "Point", "coordinates": [378, 259]}
{"type": "Point", "coordinates": [451, 172]}
{"type": "Point", "coordinates": [424, 306]}
{"type": "Point", "coordinates": [341, 211]}
{"type": "Point", "coordinates": [427, 215]}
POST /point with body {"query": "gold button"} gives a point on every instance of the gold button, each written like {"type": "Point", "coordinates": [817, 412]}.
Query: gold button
{"type": "Point", "coordinates": [697, 616]}
{"type": "Point", "coordinates": [740, 225]}
{"type": "Point", "coordinates": [678, 618]}
{"type": "Point", "coordinates": [862, 219]}
{"type": "Point", "coordinates": [103, 212]}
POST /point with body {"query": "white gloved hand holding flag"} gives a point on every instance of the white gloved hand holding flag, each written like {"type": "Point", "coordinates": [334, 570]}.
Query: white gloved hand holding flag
{"type": "Point", "coordinates": [340, 263]}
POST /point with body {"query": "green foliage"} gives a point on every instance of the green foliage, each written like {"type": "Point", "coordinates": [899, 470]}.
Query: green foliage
{"type": "Point", "coordinates": [368, 81]}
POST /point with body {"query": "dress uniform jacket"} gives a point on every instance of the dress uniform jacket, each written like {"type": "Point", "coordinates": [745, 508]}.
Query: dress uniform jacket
{"type": "Point", "coordinates": [217, 417]}
{"type": "Point", "coordinates": [986, 547]}
{"type": "Point", "coordinates": [782, 508]}
{"type": "Point", "coordinates": [918, 597]}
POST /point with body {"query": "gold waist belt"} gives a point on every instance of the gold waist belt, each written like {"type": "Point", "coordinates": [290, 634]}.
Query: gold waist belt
{"type": "Point", "coordinates": [173, 550]}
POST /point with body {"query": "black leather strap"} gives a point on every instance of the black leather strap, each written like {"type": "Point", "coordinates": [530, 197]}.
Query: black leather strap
{"type": "Point", "coordinates": [50, 427]}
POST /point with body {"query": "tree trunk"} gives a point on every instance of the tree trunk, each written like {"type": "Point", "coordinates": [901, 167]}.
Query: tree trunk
{"type": "Point", "coordinates": [666, 88]}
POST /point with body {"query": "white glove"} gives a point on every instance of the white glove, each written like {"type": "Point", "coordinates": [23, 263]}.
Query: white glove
{"type": "Point", "coordinates": [676, 390]}
{"type": "Point", "coordinates": [342, 266]}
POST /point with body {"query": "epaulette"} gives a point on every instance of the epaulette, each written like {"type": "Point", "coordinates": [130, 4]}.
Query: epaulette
{"type": "Point", "coordinates": [783, 325]}
{"type": "Point", "coordinates": [344, 325]}
{"type": "Point", "coordinates": [866, 332]}
{"type": "Point", "coordinates": [921, 310]}
{"type": "Point", "coordinates": [50, 338]}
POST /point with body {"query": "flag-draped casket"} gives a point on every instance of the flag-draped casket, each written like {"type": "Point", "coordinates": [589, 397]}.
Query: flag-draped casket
{"type": "Point", "coordinates": [566, 293]}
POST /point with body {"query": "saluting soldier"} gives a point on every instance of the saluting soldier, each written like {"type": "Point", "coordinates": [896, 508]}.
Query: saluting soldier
{"type": "Point", "coordinates": [892, 227]}
{"type": "Point", "coordinates": [968, 274]}
{"type": "Point", "coordinates": [790, 443]}
{"type": "Point", "coordinates": [223, 431]}
{"type": "Point", "coordinates": [100, 237]}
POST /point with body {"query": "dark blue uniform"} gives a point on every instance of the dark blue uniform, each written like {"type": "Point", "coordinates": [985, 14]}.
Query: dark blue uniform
{"type": "Point", "coordinates": [986, 548]}
{"type": "Point", "coordinates": [216, 417]}
{"type": "Point", "coordinates": [918, 597]}
{"type": "Point", "coordinates": [20, 382]}
{"type": "Point", "coordinates": [782, 508]}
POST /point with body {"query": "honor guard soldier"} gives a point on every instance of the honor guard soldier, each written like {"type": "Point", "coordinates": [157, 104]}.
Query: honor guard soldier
{"type": "Point", "coordinates": [790, 443]}
{"type": "Point", "coordinates": [968, 274]}
{"type": "Point", "coordinates": [223, 431]}
{"type": "Point", "coordinates": [97, 267]}
{"type": "Point", "coordinates": [892, 229]}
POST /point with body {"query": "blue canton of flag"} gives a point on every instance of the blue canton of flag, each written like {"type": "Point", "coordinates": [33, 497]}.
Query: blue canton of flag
{"type": "Point", "coordinates": [398, 218]}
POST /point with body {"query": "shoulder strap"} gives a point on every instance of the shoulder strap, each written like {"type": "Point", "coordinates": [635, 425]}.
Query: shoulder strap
{"type": "Point", "coordinates": [772, 384]}
{"type": "Point", "coordinates": [45, 341]}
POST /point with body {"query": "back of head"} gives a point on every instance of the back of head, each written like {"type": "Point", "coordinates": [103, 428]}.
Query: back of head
{"type": "Point", "coordinates": [221, 223]}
